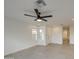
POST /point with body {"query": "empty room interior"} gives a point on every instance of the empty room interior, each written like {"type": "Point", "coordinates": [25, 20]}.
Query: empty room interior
{"type": "Point", "coordinates": [39, 29]}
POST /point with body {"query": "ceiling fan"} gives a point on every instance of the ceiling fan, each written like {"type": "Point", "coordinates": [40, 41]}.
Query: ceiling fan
{"type": "Point", "coordinates": [38, 17]}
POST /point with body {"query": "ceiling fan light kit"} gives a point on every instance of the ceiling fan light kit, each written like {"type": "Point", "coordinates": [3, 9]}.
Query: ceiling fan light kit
{"type": "Point", "coordinates": [39, 20]}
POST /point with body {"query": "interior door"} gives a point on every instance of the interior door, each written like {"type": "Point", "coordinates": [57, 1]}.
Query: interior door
{"type": "Point", "coordinates": [66, 35]}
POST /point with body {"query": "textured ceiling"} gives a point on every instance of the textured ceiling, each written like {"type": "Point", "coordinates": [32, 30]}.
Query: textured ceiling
{"type": "Point", "coordinates": [62, 10]}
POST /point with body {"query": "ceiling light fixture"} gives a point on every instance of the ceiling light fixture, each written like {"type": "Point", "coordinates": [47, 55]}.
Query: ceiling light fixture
{"type": "Point", "coordinates": [39, 20]}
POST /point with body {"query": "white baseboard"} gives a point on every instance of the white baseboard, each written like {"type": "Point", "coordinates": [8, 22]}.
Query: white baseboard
{"type": "Point", "coordinates": [5, 54]}
{"type": "Point", "coordinates": [57, 43]}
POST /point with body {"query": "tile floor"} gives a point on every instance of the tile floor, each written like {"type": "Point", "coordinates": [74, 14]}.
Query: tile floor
{"type": "Point", "coordinates": [52, 51]}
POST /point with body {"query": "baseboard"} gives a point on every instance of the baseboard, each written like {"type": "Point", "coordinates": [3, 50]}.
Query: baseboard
{"type": "Point", "coordinates": [18, 50]}
{"type": "Point", "coordinates": [57, 43]}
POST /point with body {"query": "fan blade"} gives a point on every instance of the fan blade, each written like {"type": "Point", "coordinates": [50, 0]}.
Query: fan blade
{"type": "Point", "coordinates": [46, 16]}
{"type": "Point", "coordinates": [29, 15]}
{"type": "Point", "coordinates": [37, 13]}
{"type": "Point", "coordinates": [44, 19]}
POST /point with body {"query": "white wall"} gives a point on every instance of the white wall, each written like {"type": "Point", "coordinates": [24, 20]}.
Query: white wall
{"type": "Point", "coordinates": [72, 35]}
{"type": "Point", "coordinates": [57, 35]}
{"type": "Point", "coordinates": [18, 36]}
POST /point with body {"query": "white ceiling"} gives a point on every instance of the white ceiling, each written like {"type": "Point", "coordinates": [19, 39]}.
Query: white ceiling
{"type": "Point", "coordinates": [62, 10]}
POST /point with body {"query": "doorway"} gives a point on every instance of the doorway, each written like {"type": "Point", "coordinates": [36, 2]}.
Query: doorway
{"type": "Point", "coordinates": [66, 33]}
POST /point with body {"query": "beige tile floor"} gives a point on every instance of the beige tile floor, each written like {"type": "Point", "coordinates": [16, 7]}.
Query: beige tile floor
{"type": "Point", "coordinates": [52, 51]}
